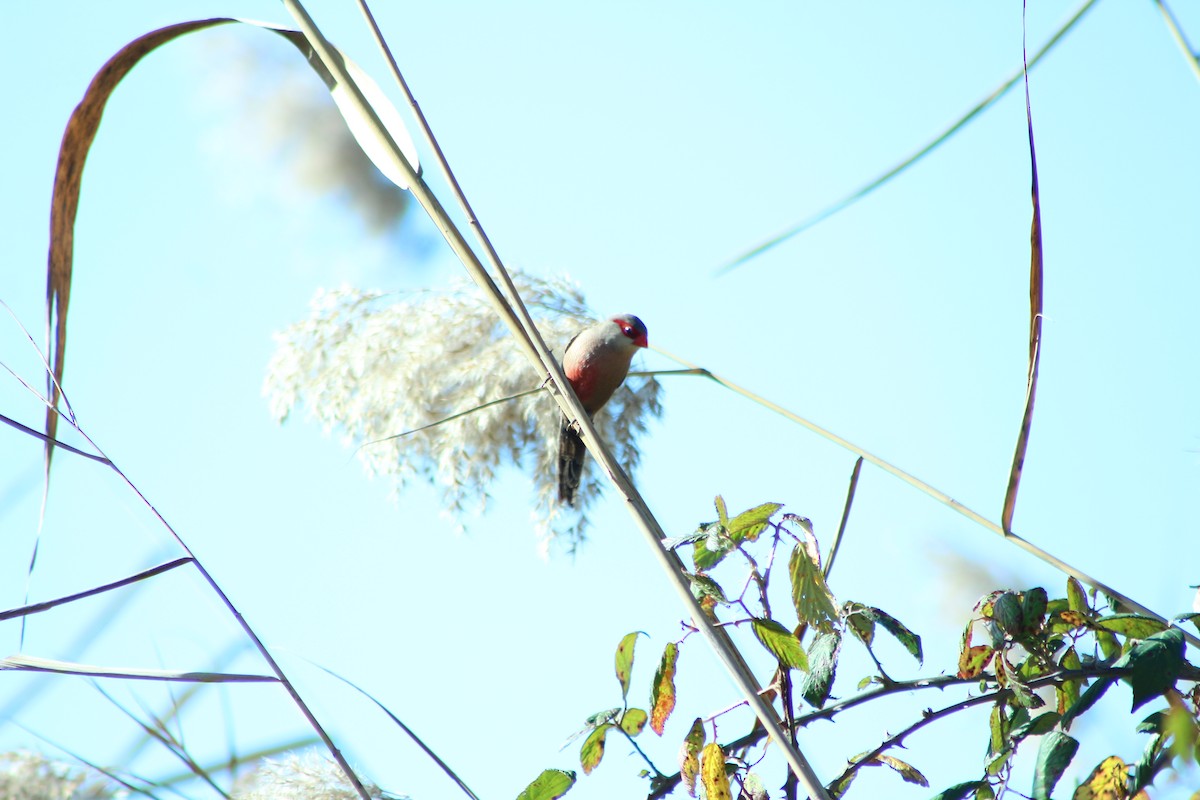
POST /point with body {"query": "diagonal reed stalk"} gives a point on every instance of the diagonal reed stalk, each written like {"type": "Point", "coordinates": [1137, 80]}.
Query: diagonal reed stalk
{"type": "Point", "coordinates": [513, 312]}
{"type": "Point", "coordinates": [1185, 47]}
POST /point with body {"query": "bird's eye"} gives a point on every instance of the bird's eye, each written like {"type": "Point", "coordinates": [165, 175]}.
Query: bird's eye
{"type": "Point", "coordinates": [628, 330]}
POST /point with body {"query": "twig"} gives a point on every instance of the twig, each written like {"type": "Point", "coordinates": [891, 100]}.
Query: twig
{"type": "Point", "coordinates": [941, 682]}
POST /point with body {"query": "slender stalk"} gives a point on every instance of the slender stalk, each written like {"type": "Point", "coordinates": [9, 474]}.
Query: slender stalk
{"type": "Point", "coordinates": [837, 539]}
{"type": "Point", "coordinates": [34, 608]}
{"type": "Point", "coordinates": [933, 492]}
{"type": "Point", "coordinates": [1189, 53]}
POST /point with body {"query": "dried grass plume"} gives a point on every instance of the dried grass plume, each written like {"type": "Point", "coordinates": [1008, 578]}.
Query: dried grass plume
{"type": "Point", "coordinates": [373, 365]}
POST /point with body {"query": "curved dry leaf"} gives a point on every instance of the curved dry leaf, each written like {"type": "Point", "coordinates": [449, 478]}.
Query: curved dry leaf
{"type": "Point", "coordinates": [81, 132]}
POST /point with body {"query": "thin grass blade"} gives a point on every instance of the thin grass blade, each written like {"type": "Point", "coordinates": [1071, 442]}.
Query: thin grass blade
{"type": "Point", "coordinates": [940, 139]}
{"type": "Point", "coordinates": [35, 664]}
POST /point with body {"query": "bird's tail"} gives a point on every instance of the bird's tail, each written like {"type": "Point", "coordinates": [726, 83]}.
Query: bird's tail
{"type": "Point", "coordinates": [571, 453]}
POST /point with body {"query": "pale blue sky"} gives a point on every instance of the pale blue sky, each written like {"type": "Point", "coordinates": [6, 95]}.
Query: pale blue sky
{"type": "Point", "coordinates": [637, 149]}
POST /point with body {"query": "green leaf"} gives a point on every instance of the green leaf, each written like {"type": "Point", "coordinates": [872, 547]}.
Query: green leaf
{"type": "Point", "coordinates": [910, 640]}
{"type": "Point", "coordinates": [1135, 626]}
{"type": "Point", "coordinates": [1033, 609]}
{"type": "Point", "coordinates": [1155, 663]}
{"type": "Point", "coordinates": [593, 748]}
{"type": "Point", "coordinates": [1067, 693]}
{"type": "Point", "coordinates": [633, 720]}
{"type": "Point", "coordinates": [998, 726]}
{"type": "Point", "coordinates": [550, 785]}
{"type": "Point", "coordinates": [601, 717]}
{"type": "Point", "coordinates": [1006, 611]}
{"type": "Point", "coordinates": [747, 525]}
{"type": "Point", "coordinates": [860, 621]}
{"type": "Point", "coordinates": [1042, 723]}
{"type": "Point", "coordinates": [712, 551]}
{"type": "Point", "coordinates": [1153, 723]}
{"type": "Point", "coordinates": [1192, 618]}
{"type": "Point", "coordinates": [680, 541]}
{"type": "Point", "coordinates": [722, 512]}
{"type": "Point", "coordinates": [705, 587]}
{"type": "Point", "coordinates": [1109, 646]}
{"type": "Point", "coordinates": [1086, 700]}
{"type": "Point", "coordinates": [1150, 764]}
{"type": "Point", "coordinates": [959, 790]}
{"type": "Point", "coordinates": [624, 660]}
{"type": "Point", "coordinates": [822, 667]}
{"type": "Point", "coordinates": [1023, 694]}
{"type": "Point", "coordinates": [781, 642]}
{"type": "Point", "coordinates": [907, 771]}
{"type": "Point", "coordinates": [662, 693]}
{"type": "Point", "coordinates": [695, 737]}
{"type": "Point", "coordinates": [1054, 755]}
{"type": "Point", "coordinates": [1076, 597]}
{"type": "Point", "coordinates": [811, 597]}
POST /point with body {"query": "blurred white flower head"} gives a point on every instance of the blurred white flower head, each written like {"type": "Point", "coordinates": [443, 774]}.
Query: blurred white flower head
{"type": "Point", "coordinates": [31, 776]}
{"type": "Point", "coordinates": [311, 776]}
{"type": "Point", "coordinates": [374, 365]}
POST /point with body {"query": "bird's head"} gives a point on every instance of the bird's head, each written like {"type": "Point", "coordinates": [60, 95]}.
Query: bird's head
{"type": "Point", "coordinates": [633, 329]}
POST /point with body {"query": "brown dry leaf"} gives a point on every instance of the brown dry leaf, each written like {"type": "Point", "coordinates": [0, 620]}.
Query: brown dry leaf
{"type": "Point", "coordinates": [81, 132]}
{"type": "Point", "coordinates": [1036, 301]}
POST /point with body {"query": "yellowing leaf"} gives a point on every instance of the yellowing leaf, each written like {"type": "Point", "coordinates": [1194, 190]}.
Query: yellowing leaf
{"type": "Point", "coordinates": [593, 749]}
{"type": "Point", "coordinates": [1107, 782]}
{"type": "Point", "coordinates": [633, 720]}
{"type": "Point", "coordinates": [689, 756]}
{"type": "Point", "coordinates": [747, 525]}
{"type": "Point", "coordinates": [907, 771]}
{"type": "Point", "coordinates": [973, 660]}
{"type": "Point", "coordinates": [624, 661]}
{"type": "Point", "coordinates": [712, 773]}
{"type": "Point", "coordinates": [662, 693]}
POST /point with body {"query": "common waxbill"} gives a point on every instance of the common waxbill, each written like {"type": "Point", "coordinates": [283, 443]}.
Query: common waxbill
{"type": "Point", "coordinates": [596, 362]}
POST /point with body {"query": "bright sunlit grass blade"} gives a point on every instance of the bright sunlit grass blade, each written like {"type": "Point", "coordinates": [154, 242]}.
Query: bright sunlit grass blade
{"type": "Point", "coordinates": [35, 664]}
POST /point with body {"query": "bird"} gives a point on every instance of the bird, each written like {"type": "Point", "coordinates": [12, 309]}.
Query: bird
{"type": "Point", "coordinates": [595, 361]}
